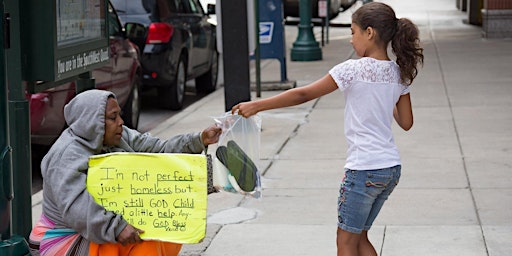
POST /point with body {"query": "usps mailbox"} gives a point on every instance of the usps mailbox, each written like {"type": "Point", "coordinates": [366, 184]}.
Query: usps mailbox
{"type": "Point", "coordinates": [271, 30]}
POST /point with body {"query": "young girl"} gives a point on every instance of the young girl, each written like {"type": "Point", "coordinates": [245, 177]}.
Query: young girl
{"type": "Point", "coordinates": [376, 90]}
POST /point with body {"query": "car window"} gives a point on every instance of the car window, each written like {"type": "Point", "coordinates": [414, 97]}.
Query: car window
{"type": "Point", "coordinates": [114, 27]}
{"type": "Point", "coordinates": [180, 6]}
{"type": "Point", "coordinates": [133, 7]}
{"type": "Point", "coordinates": [193, 7]}
{"type": "Point", "coordinates": [200, 7]}
{"type": "Point", "coordinates": [156, 8]}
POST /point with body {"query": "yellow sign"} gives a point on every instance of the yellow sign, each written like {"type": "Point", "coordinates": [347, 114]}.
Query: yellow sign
{"type": "Point", "coordinates": [163, 194]}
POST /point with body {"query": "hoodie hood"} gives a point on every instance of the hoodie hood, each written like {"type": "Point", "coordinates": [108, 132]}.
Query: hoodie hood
{"type": "Point", "coordinates": [85, 116]}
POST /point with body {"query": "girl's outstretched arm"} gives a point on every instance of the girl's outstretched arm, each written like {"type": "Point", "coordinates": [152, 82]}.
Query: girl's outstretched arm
{"type": "Point", "coordinates": [403, 112]}
{"type": "Point", "coordinates": [288, 98]}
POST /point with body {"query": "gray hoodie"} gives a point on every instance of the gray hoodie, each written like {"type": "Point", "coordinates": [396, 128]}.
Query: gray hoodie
{"type": "Point", "coordinates": [66, 200]}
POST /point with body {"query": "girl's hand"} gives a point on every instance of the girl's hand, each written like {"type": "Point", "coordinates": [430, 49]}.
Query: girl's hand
{"type": "Point", "coordinates": [130, 235]}
{"type": "Point", "coordinates": [211, 135]}
{"type": "Point", "coordinates": [292, 97]}
{"type": "Point", "coordinates": [245, 109]}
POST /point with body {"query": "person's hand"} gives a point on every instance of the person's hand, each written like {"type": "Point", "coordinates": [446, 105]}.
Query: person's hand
{"type": "Point", "coordinates": [211, 135]}
{"type": "Point", "coordinates": [130, 235]}
{"type": "Point", "coordinates": [245, 109]}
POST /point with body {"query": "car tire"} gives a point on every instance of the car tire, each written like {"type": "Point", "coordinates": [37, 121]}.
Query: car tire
{"type": "Point", "coordinates": [171, 97]}
{"type": "Point", "coordinates": [207, 82]}
{"type": "Point", "coordinates": [131, 109]}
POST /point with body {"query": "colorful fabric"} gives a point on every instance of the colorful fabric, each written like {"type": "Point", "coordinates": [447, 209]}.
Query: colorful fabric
{"type": "Point", "coordinates": [52, 241]}
{"type": "Point", "coordinates": [48, 240]}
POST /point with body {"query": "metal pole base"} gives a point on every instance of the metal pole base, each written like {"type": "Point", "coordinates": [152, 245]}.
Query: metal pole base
{"type": "Point", "coordinates": [16, 246]}
{"type": "Point", "coordinates": [306, 48]}
{"type": "Point", "coordinates": [306, 53]}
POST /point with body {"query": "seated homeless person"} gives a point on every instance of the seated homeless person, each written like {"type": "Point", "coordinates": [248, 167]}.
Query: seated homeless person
{"type": "Point", "coordinates": [72, 223]}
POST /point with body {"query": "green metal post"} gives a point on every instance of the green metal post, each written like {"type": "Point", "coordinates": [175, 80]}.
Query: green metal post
{"type": "Point", "coordinates": [6, 193]}
{"type": "Point", "coordinates": [12, 245]}
{"type": "Point", "coordinates": [305, 48]}
{"type": "Point", "coordinates": [19, 126]}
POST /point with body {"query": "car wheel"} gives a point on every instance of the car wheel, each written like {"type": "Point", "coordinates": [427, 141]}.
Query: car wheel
{"type": "Point", "coordinates": [207, 82]}
{"type": "Point", "coordinates": [171, 96]}
{"type": "Point", "coordinates": [131, 109]}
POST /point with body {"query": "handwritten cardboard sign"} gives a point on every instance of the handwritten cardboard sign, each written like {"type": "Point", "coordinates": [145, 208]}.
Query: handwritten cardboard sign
{"type": "Point", "coordinates": [163, 194]}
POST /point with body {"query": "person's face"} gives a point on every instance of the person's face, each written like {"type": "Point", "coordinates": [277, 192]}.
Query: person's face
{"type": "Point", "coordinates": [113, 123]}
{"type": "Point", "coordinates": [359, 40]}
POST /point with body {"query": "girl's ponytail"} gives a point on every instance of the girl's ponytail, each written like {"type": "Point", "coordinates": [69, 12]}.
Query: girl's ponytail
{"type": "Point", "coordinates": [406, 47]}
{"type": "Point", "coordinates": [402, 33]}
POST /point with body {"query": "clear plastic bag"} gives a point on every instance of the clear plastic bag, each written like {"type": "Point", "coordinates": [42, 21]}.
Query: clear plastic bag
{"type": "Point", "coordinates": [235, 162]}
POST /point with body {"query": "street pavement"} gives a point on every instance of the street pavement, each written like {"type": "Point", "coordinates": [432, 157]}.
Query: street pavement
{"type": "Point", "coordinates": [455, 195]}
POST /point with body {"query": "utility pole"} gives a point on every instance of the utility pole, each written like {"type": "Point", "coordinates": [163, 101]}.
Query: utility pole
{"type": "Point", "coordinates": [235, 52]}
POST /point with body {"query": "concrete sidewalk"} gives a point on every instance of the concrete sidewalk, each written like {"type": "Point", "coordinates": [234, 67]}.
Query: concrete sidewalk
{"type": "Point", "coordinates": [454, 197]}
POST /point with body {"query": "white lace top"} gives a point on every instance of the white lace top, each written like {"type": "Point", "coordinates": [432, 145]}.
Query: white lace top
{"type": "Point", "coordinates": [371, 88]}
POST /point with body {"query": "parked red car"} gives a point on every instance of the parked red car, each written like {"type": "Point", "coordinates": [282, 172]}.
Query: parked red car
{"type": "Point", "coordinates": [121, 76]}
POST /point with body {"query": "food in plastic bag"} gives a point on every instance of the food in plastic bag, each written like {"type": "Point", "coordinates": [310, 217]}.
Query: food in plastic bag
{"type": "Point", "coordinates": [234, 166]}
{"type": "Point", "coordinates": [239, 164]}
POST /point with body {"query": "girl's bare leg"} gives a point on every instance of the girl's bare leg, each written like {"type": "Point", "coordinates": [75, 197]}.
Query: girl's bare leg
{"type": "Point", "coordinates": [347, 243]}
{"type": "Point", "coordinates": [365, 247]}
{"type": "Point", "coordinates": [350, 244]}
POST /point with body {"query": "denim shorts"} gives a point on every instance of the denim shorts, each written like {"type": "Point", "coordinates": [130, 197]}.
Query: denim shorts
{"type": "Point", "coordinates": [362, 195]}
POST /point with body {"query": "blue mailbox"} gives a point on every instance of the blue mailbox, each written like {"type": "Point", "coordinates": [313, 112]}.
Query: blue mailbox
{"type": "Point", "coordinates": [271, 30]}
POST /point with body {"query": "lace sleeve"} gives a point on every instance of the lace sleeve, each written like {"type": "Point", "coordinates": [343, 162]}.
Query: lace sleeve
{"type": "Point", "coordinates": [366, 70]}
{"type": "Point", "coordinates": [343, 74]}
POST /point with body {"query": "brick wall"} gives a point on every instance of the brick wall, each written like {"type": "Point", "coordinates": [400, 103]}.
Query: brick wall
{"type": "Point", "coordinates": [497, 4]}
{"type": "Point", "coordinates": [497, 19]}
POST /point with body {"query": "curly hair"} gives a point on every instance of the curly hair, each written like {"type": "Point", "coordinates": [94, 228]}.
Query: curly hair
{"type": "Point", "coordinates": [402, 33]}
